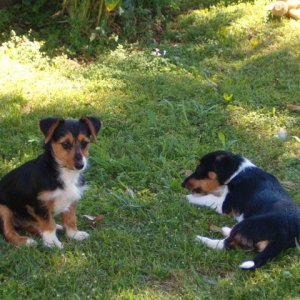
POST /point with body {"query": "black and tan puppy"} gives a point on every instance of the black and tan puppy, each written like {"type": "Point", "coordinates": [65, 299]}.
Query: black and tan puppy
{"type": "Point", "coordinates": [51, 184]}
{"type": "Point", "coordinates": [269, 220]}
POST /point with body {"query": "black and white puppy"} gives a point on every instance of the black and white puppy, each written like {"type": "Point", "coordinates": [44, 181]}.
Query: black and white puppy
{"type": "Point", "coordinates": [268, 219]}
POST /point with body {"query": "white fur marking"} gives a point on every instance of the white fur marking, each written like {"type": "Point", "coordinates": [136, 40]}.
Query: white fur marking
{"type": "Point", "coordinates": [50, 239]}
{"type": "Point", "coordinates": [247, 265]}
{"type": "Point", "coordinates": [226, 231]}
{"type": "Point", "coordinates": [59, 227]}
{"type": "Point", "coordinates": [244, 165]}
{"type": "Point", "coordinates": [31, 242]}
{"type": "Point", "coordinates": [77, 235]}
{"type": "Point", "coordinates": [71, 192]}
{"type": "Point", "coordinates": [210, 200]}
{"type": "Point", "coordinates": [213, 244]}
{"type": "Point", "coordinates": [240, 218]}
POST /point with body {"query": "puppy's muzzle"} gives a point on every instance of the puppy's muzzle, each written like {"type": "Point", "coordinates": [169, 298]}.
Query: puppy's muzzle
{"type": "Point", "coordinates": [79, 161]}
{"type": "Point", "coordinates": [188, 185]}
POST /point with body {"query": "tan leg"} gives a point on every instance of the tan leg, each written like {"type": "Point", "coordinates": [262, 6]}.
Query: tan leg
{"type": "Point", "coordinates": [68, 219]}
{"type": "Point", "coordinates": [46, 226]}
{"type": "Point", "coordinates": [9, 231]}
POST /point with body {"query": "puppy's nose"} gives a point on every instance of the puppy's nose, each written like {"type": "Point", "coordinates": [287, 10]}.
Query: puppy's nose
{"type": "Point", "coordinates": [79, 165]}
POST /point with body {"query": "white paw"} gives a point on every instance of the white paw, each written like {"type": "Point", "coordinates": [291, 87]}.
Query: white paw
{"type": "Point", "coordinates": [202, 239]}
{"type": "Point", "coordinates": [59, 227]}
{"type": "Point", "coordinates": [31, 242]}
{"type": "Point", "coordinates": [226, 231]}
{"type": "Point", "coordinates": [197, 199]}
{"type": "Point", "coordinates": [77, 235]}
{"type": "Point", "coordinates": [50, 239]}
{"type": "Point", "coordinates": [248, 265]}
{"type": "Point", "coordinates": [213, 244]}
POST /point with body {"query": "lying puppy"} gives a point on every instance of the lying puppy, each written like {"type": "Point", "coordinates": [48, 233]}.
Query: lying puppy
{"type": "Point", "coordinates": [49, 185]}
{"type": "Point", "coordinates": [269, 220]}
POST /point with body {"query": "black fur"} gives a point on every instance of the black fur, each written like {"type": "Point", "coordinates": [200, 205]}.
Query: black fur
{"type": "Point", "coordinates": [21, 186]}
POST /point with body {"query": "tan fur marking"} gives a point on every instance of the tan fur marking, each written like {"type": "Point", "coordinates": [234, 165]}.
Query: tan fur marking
{"type": "Point", "coordinates": [43, 224]}
{"type": "Point", "coordinates": [9, 231]}
{"type": "Point", "coordinates": [90, 126]}
{"type": "Point", "coordinates": [83, 138]}
{"type": "Point", "coordinates": [241, 241]}
{"type": "Point", "coordinates": [64, 157]}
{"type": "Point", "coordinates": [206, 185]}
{"type": "Point", "coordinates": [260, 246]}
{"type": "Point", "coordinates": [50, 131]}
{"type": "Point", "coordinates": [68, 218]}
{"type": "Point", "coordinates": [212, 175]}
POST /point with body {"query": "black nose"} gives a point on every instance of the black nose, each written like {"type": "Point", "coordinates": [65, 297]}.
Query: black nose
{"type": "Point", "coordinates": [79, 165]}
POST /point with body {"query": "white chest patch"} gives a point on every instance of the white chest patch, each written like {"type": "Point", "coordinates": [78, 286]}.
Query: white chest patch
{"type": "Point", "coordinates": [64, 197]}
{"type": "Point", "coordinates": [240, 218]}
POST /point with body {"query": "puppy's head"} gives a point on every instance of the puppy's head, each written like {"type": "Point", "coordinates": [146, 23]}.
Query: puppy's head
{"type": "Point", "coordinates": [213, 170]}
{"type": "Point", "coordinates": [69, 140]}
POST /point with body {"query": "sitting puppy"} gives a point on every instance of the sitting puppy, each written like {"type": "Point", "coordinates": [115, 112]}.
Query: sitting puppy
{"type": "Point", "coordinates": [269, 220]}
{"type": "Point", "coordinates": [49, 185]}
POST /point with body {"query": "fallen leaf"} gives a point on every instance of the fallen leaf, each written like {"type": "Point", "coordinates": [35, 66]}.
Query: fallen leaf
{"type": "Point", "coordinates": [94, 220]}
{"type": "Point", "coordinates": [186, 172]}
{"type": "Point", "coordinates": [290, 185]}
{"type": "Point", "coordinates": [89, 218]}
{"type": "Point", "coordinates": [214, 228]}
{"type": "Point", "coordinates": [293, 107]}
{"type": "Point", "coordinates": [99, 218]}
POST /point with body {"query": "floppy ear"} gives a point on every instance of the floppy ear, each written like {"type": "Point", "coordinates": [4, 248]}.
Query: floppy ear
{"type": "Point", "coordinates": [48, 126]}
{"type": "Point", "coordinates": [225, 166]}
{"type": "Point", "coordinates": [93, 125]}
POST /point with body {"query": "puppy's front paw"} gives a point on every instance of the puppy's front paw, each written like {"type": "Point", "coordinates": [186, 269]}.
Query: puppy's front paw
{"type": "Point", "coordinates": [77, 235]}
{"type": "Point", "coordinates": [59, 227]}
{"type": "Point", "coordinates": [211, 243]}
{"type": "Point", "coordinates": [50, 239]}
{"type": "Point", "coordinates": [226, 231]}
{"type": "Point", "coordinates": [202, 239]}
{"type": "Point", "coordinates": [194, 198]}
{"type": "Point", "coordinates": [30, 242]}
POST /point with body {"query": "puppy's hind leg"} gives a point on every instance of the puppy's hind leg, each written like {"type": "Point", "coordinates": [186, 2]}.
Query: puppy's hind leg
{"type": "Point", "coordinates": [272, 249]}
{"type": "Point", "coordinates": [255, 234]}
{"type": "Point", "coordinates": [8, 229]}
{"type": "Point", "coordinates": [211, 243]}
{"type": "Point", "coordinates": [226, 231]}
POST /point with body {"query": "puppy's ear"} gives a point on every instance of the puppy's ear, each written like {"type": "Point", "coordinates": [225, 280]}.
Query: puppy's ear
{"type": "Point", "coordinates": [48, 126]}
{"type": "Point", "coordinates": [225, 166]}
{"type": "Point", "coordinates": [93, 125]}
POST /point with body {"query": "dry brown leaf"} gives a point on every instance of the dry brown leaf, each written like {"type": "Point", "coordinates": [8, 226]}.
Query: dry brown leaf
{"type": "Point", "coordinates": [186, 172]}
{"type": "Point", "coordinates": [290, 185]}
{"type": "Point", "coordinates": [94, 220]}
{"type": "Point", "coordinates": [214, 228]}
{"type": "Point", "coordinates": [292, 107]}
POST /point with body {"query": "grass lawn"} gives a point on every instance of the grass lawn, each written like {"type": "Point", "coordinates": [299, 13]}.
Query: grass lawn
{"type": "Point", "coordinates": [224, 82]}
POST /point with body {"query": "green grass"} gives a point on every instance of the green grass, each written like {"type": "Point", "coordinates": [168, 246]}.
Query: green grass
{"type": "Point", "coordinates": [225, 80]}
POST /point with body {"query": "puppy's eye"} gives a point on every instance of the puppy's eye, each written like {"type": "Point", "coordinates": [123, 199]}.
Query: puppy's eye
{"type": "Point", "coordinates": [67, 145]}
{"type": "Point", "coordinates": [83, 144]}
